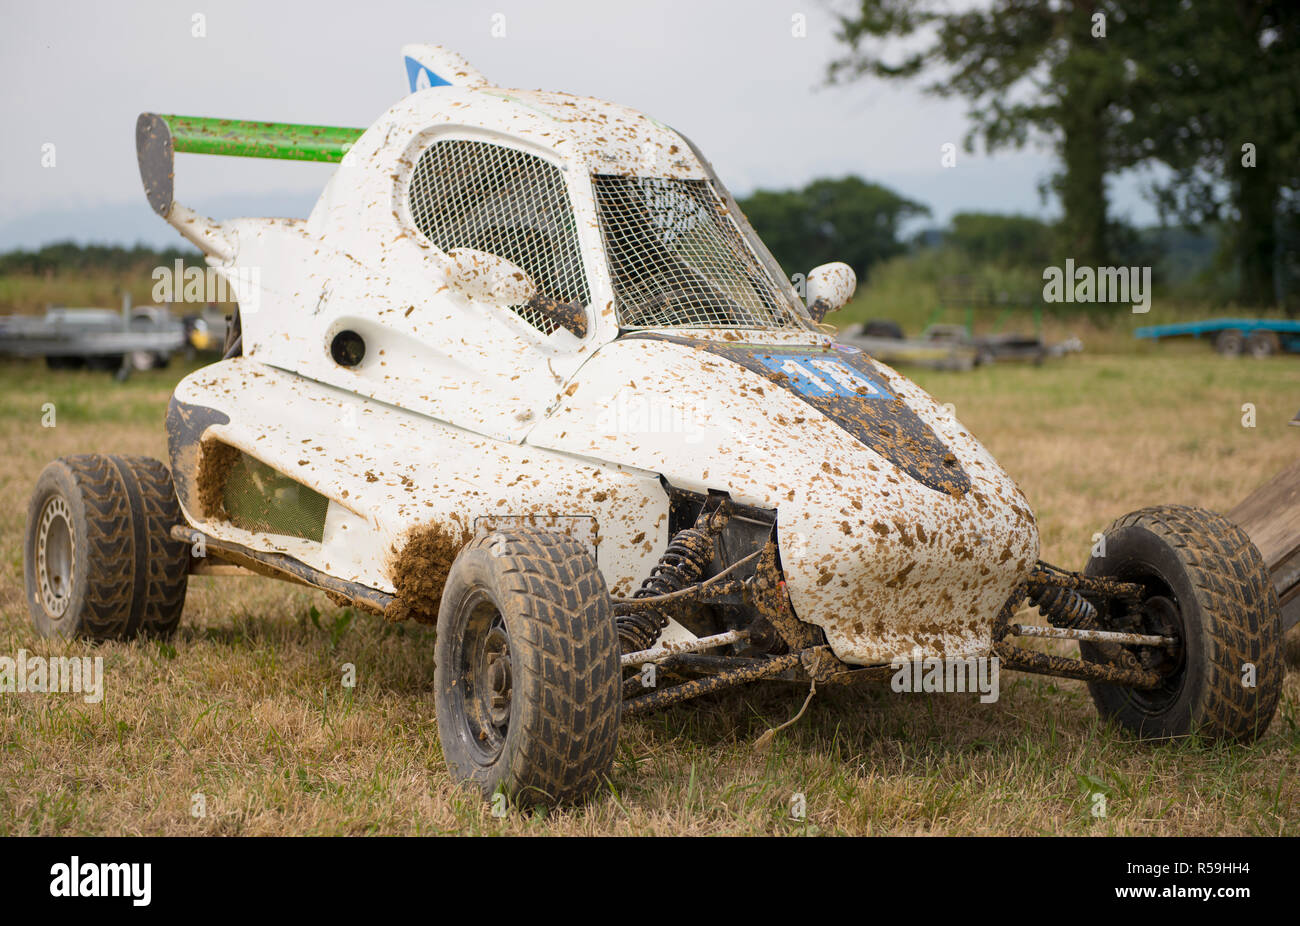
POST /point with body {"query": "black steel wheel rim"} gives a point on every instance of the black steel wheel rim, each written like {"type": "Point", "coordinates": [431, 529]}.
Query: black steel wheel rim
{"type": "Point", "coordinates": [484, 695]}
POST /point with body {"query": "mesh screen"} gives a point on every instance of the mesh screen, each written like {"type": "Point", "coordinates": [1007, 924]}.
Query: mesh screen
{"type": "Point", "coordinates": [678, 260]}
{"type": "Point", "coordinates": [260, 499]}
{"type": "Point", "coordinates": [473, 194]}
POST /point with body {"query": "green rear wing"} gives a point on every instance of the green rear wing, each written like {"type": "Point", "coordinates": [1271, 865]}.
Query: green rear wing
{"type": "Point", "coordinates": [158, 138]}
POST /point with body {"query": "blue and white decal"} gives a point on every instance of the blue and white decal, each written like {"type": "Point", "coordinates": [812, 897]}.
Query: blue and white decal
{"type": "Point", "coordinates": [836, 383]}
{"type": "Point", "coordinates": [819, 375]}
{"type": "Point", "coordinates": [420, 77]}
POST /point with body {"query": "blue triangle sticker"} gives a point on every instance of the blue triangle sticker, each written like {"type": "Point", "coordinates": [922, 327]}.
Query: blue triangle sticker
{"type": "Point", "coordinates": [421, 77]}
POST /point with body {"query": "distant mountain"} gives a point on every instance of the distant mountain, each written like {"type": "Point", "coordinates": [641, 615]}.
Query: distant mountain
{"type": "Point", "coordinates": [132, 221]}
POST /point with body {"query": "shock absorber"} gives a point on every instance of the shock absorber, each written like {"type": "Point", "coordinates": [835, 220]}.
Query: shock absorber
{"type": "Point", "coordinates": [689, 553]}
{"type": "Point", "coordinates": [1064, 607]}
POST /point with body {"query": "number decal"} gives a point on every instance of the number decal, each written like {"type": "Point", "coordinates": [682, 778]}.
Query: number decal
{"type": "Point", "coordinates": [798, 373]}
{"type": "Point", "coordinates": [848, 378]}
{"type": "Point", "coordinates": [820, 376]}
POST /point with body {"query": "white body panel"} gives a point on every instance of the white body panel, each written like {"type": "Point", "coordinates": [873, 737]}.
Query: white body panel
{"type": "Point", "coordinates": [386, 470]}
{"type": "Point", "coordinates": [881, 562]}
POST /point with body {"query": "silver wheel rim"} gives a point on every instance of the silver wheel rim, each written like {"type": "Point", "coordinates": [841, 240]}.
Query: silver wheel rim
{"type": "Point", "coordinates": [55, 555]}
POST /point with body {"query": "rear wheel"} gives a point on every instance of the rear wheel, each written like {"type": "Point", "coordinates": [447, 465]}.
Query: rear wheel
{"type": "Point", "coordinates": [64, 362]}
{"type": "Point", "coordinates": [883, 328]}
{"type": "Point", "coordinates": [1229, 342]}
{"type": "Point", "coordinates": [143, 360]}
{"type": "Point", "coordinates": [104, 363]}
{"type": "Point", "coordinates": [527, 682]}
{"type": "Point", "coordinates": [99, 561]}
{"type": "Point", "coordinates": [1206, 585]}
{"type": "Point", "coordinates": [1262, 344]}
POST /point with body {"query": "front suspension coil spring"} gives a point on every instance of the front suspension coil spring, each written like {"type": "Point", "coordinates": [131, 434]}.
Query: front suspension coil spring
{"type": "Point", "coordinates": [682, 565]}
{"type": "Point", "coordinates": [1064, 607]}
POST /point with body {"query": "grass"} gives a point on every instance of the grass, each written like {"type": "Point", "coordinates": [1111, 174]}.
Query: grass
{"type": "Point", "coordinates": [30, 294]}
{"type": "Point", "coordinates": [245, 705]}
{"type": "Point", "coordinates": [906, 289]}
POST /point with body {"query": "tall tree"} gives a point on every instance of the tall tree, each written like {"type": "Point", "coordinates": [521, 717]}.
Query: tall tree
{"type": "Point", "coordinates": [1031, 71]}
{"type": "Point", "coordinates": [1217, 99]}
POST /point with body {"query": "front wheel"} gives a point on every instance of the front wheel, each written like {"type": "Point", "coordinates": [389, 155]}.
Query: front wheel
{"type": "Point", "coordinates": [527, 684]}
{"type": "Point", "coordinates": [1206, 585]}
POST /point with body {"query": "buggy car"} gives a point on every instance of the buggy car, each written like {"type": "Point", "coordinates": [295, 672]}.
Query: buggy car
{"type": "Point", "coordinates": [525, 373]}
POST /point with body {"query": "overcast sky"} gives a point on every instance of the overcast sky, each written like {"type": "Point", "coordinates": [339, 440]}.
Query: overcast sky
{"type": "Point", "coordinates": [730, 75]}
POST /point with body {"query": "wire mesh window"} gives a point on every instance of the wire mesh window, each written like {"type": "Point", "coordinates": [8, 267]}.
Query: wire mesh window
{"type": "Point", "coordinates": [474, 194]}
{"type": "Point", "coordinates": [678, 260]}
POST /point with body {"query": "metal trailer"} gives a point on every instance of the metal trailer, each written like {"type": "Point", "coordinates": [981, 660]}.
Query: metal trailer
{"type": "Point", "coordinates": [141, 338]}
{"type": "Point", "coordinates": [951, 347]}
{"type": "Point", "coordinates": [961, 293]}
{"type": "Point", "coordinates": [937, 355]}
{"type": "Point", "coordinates": [1259, 337]}
{"type": "Point", "coordinates": [990, 348]}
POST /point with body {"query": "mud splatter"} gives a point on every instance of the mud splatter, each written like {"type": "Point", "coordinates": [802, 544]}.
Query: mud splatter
{"type": "Point", "coordinates": [215, 463]}
{"type": "Point", "coordinates": [419, 570]}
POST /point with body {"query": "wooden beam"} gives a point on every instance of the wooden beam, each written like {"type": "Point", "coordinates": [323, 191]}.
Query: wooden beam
{"type": "Point", "coordinates": [1271, 516]}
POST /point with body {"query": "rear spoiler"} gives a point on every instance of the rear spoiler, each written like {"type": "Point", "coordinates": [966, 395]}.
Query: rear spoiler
{"type": "Point", "coordinates": [158, 138]}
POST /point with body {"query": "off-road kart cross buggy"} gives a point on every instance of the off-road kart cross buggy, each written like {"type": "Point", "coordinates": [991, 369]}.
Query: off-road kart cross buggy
{"type": "Point", "coordinates": [527, 373]}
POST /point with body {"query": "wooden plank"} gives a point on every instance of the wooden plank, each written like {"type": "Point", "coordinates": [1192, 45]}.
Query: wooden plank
{"type": "Point", "coordinates": [1271, 516]}
{"type": "Point", "coordinates": [1291, 609]}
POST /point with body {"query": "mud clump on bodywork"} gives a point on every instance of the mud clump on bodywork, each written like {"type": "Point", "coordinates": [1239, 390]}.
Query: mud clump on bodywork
{"type": "Point", "coordinates": [419, 571]}
{"type": "Point", "coordinates": [215, 462]}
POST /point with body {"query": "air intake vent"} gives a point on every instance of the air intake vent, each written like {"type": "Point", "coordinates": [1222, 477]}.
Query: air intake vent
{"type": "Point", "coordinates": [254, 497]}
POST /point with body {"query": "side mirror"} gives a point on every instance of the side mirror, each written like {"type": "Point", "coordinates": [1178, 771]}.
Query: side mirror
{"type": "Point", "coordinates": [485, 277]}
{"type": "Point", "coordinates": [829, 288]}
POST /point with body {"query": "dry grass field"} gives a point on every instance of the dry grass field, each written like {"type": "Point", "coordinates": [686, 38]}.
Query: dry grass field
{"type": "Point", "coordinates": [245, 705]}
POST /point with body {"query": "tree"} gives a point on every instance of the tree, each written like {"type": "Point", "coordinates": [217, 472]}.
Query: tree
{"type": "Point", "coordinates": [1111, 85]}
{"type": "Point", "coordinates": [1031, 71]}
{"type": "Point", "coordinates": [846, 219]}
{"type": "Point", "coordinates": [1007, 240]}
{"type": "Point", "coordinates": [1217, 99]}
{"type": "Point", "coordinates": [70, 257]}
